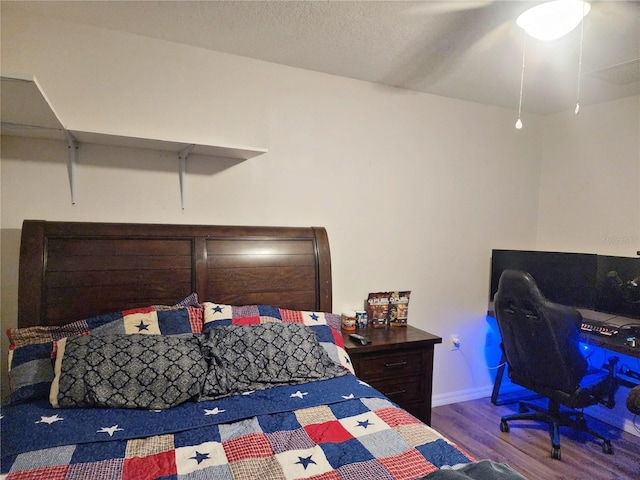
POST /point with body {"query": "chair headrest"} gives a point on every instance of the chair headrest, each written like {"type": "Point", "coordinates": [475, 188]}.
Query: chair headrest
{"type": "Point", "coordinates": [520, 286]}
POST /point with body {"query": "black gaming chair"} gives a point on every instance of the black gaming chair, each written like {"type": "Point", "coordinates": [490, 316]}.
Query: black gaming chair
{"type": "Point", "coordinates": [540, 341]}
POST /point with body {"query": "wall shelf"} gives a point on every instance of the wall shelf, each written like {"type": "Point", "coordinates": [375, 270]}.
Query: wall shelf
{"type": "Point", "coordinates": [26, 112]}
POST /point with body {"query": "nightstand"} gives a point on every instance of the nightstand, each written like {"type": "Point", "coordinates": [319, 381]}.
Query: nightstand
{"type": "Point", "coordinates": [399, 363]}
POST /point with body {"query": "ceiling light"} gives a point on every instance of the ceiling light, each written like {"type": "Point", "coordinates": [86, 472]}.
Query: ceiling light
{"type": "Point", "coordinates": [551, 20]}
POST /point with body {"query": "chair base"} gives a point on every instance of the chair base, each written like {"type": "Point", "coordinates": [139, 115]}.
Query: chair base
{"type": "Point", "coordinates": [555, 419]}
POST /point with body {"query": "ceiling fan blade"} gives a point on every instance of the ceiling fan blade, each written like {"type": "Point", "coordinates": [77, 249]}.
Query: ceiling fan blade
{"type": "Point", "coordinates": [443, 6]}
{"type": "Point", "coordinates": [448, 37]}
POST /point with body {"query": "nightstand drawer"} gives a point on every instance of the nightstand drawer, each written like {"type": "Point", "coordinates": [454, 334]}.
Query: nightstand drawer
{"type": "Point", "coordinates": [407, 362]}
{"type": "Point", "coordinates": [402, 390]}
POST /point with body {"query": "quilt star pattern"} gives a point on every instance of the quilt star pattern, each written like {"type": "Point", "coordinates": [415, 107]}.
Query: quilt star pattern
{"type": "Point", "coordinates": [339, 428]}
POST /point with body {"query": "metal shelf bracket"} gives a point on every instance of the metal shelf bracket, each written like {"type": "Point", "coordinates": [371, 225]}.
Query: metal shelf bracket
{"type": "Point", "coordinates": [182, 158]}
{"type": "Point", "coordinates": [72, 163]}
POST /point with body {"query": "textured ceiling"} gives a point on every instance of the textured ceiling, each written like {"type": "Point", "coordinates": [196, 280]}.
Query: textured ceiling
{"type": "Point", "coordinates": [470, 50]}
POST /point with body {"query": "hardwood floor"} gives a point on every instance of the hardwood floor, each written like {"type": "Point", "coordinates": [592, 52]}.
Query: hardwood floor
{"type": "Point", "coordinates": [475, 427]}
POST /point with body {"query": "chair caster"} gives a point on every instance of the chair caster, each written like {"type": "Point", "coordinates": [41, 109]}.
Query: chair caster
{"type": "Point", "coordinates": [607, 448]}
{"type": "Point", "coordinates": [504, 426]}
{"type": "Point", "coordinates": [555, 453]}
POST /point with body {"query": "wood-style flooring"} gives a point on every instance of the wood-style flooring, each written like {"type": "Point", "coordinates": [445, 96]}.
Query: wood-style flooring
{"type": "Point", "coordinates": [475, 427]}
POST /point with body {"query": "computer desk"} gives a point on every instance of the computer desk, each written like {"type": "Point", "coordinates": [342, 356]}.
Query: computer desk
{"type": "Point", "coordinates": [617, 343]}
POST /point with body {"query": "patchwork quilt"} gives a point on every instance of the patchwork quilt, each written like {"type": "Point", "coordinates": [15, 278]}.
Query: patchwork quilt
{"type": "Point", "coordinates": [339, 428]}
{"type": "Point", "coordinates": [260, 426]}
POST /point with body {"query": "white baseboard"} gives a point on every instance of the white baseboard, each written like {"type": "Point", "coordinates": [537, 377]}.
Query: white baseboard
{"type": "Point", "coordinates": [461, 396]}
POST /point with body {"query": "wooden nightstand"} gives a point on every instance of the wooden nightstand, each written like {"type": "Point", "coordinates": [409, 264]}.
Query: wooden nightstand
{"type": "Point", "coordinates": [399, 363]}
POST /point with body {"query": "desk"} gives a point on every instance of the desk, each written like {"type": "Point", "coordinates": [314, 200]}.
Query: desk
{"type": "Point", "coordinates": [615, 343]}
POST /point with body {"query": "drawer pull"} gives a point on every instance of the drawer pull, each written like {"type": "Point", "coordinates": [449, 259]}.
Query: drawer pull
{"type": "Point", "coordinates": [399, 392]}
{"type": "Point", "coordinates": [399, 364]}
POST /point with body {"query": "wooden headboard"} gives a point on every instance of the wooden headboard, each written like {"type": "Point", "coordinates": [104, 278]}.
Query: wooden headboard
{"type": "Point", "coordinates": [75, 270]}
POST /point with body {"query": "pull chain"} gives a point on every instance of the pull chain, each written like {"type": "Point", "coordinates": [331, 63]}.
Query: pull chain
{"type": "Point", "coordinates": [580, 58]}
{"type": "Point", "coordinates": [524, 51]}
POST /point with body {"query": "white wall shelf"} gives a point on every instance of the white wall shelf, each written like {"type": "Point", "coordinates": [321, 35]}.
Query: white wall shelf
{"type": "Point", "coordinates": [26, 112]}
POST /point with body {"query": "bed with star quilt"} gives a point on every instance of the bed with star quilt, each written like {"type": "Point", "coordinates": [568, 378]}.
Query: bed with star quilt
{"type": "Point", "coordinates": [245, 376]}
{"type": "Point", "coordinates": [305, 418]}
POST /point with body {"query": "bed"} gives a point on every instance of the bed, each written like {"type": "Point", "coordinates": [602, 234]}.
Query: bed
{"type": "Point", "coordinates": [206, 301]}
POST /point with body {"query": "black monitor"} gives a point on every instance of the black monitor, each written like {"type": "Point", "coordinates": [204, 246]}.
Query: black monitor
{"type": "Point", "coordinates": [595, 282]}
{"type": "Point", "coordinates": [618, 286]}
{"type": "Point", "coordinates": [566, 278]}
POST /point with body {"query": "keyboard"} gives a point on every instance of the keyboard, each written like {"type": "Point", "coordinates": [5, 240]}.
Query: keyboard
{"type": "Point", "coordinates": [599, 328]}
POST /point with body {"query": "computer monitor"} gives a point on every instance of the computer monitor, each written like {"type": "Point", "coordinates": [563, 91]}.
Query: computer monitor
{"type": "Point", "coordinates": [565, 278]}
{"type": "Point", "coordinates": [618, 286]}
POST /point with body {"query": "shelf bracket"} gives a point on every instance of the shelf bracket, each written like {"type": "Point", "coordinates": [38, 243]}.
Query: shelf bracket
{"type": "Point", "coordinates": [72, 163]}
{"type": "Point", "coordinates": [182, 158]}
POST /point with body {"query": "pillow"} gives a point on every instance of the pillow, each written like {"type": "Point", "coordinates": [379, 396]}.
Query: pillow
{"type": "Point", "coordinates": [190, 300]}
{"type": "Point", "coordinates": [33, 349]}
{"type": "Point", "coordinates": [256, 357]}
{"type": "Point", "coordinates": [127, 371]}
{"type": "Point", "coordinates": [325, 325]}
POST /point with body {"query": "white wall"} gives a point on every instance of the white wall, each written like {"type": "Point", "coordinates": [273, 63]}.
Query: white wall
{"type": "Point", "coordinates": [590, 180]}
{"type": "Point", "coordinates": [414, 190]}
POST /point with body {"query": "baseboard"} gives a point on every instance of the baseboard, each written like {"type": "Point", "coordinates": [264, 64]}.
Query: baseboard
{"type": "Point", "coordinates": [473, 394]}
{"type": "Point", "coordinates": [461, 396]}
